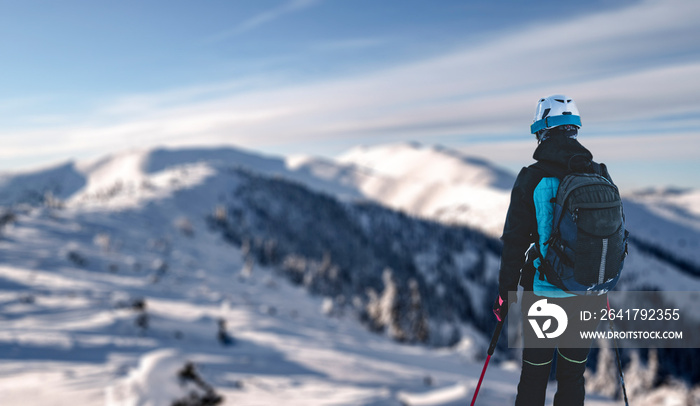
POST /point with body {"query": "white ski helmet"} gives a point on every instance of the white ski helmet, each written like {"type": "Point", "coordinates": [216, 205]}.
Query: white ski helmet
{"type": "Point", "coordinates": [554, 111]}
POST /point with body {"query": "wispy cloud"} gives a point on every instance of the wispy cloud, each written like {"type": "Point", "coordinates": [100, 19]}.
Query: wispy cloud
{"type": "Point", "coordinates": [267, 16]}
{"type": "Point", "coordinates": [350, 44]}
{"type": "Point", "coordinates": [626, 69]}
{"type": "Point", "coordinates": [681, 146]}
{"type": "Point", "coordinates": [627, 157]}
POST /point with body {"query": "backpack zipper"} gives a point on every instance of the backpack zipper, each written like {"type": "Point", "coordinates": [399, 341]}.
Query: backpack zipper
{"type": "Point", "coordinates": [604, 254]}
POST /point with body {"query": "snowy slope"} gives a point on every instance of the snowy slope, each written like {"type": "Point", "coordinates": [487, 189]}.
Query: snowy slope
{"type": "Point", "coordinates": [105, 300]}
{"type": "Point", "coordinates": [71, 334]}
{"type": "Point", "coordinates": [73, 328]}
{"type": "Point", "coordinates": [107, 294]}
{"type": "Point", "coordinates": [119, 279]}
{"type": "Point", "coordinates": [680, 205]}
{"type": "Point", "coordinates": [669, 219]}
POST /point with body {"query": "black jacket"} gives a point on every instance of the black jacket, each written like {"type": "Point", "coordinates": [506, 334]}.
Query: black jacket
{"type": "Point", "coordinates": [556, 156]}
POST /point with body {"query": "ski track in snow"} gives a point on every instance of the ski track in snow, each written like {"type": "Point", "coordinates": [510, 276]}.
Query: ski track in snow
{"type": "Point", "coordinates": [70, 278]}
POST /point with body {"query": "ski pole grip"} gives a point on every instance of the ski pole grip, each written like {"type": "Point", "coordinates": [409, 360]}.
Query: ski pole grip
{"type": "Point", "coordinates": [497, 331]}
{"type": "Point", "coordinates": [496, 334]}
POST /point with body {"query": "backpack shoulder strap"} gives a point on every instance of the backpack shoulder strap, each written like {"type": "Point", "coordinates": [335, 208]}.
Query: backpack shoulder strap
{"type": "Point", "coordinates": [602, 170]}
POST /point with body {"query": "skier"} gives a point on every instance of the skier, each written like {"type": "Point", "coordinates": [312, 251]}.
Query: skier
{"type": "Point", "coordinates": [529, 224]}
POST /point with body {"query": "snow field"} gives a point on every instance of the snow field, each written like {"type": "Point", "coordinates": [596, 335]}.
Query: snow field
{"type": "Point", "coordinates": [108, 291]}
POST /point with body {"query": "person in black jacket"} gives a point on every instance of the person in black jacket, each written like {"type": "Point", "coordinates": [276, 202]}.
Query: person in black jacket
{"type": "Point", "coordinates": [528, 224]}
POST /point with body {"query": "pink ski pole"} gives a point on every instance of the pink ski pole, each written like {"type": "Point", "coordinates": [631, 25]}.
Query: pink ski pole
{"type": "Point", "coordinates": [492, 348]}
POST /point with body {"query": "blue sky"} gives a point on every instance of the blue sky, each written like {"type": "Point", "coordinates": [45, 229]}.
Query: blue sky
{"type": "Point", "coordinates": [84, 78]}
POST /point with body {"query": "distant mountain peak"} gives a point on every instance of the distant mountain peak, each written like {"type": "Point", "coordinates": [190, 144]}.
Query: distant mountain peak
{"type": "Point", "coordinates": [446, 164]}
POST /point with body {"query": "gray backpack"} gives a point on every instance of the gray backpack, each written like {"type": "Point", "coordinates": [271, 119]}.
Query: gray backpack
{"type": "Point", "coordinates": [588, 244]}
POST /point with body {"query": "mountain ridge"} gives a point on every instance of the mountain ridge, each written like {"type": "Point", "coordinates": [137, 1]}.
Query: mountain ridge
{"type": "Point", "coordinates": [456, 192]}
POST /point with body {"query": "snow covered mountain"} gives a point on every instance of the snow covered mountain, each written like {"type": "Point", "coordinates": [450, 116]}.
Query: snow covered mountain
{"type": "Point", "coordinates": [430, 182]}
{"type": "Point", "coordinates": [116, 272]}
{"type": "Point", "coordinates": [668, 219]}
{"type": "Point", "coordinates": [131, 171]}
{"type": "Point", "coordinates": [453, 188]}
{"type": "Point", "coordinates": [337, 249]}
{"type": "Point", "coordinates": [268, 274]}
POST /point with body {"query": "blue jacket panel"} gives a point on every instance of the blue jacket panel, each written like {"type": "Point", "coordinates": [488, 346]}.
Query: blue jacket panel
{"type": "Point", "coordinates": [542, 197]}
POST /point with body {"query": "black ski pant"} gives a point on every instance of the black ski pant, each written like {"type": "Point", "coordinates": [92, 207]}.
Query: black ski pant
{"type": "Point", "coordinates": [570, 362]}
{"type": "Point", "coordinates": [537, 363]}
